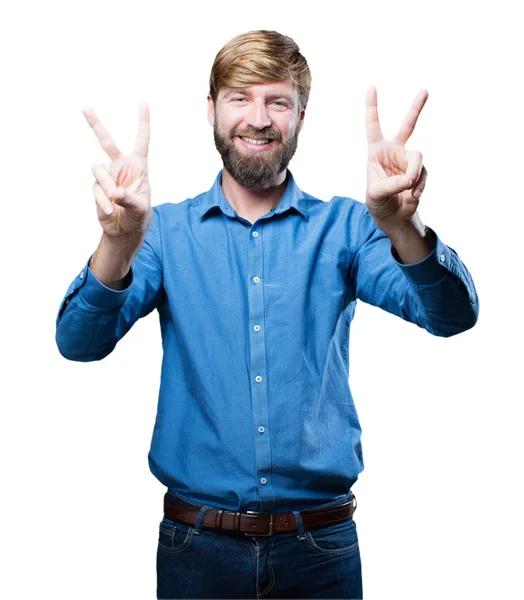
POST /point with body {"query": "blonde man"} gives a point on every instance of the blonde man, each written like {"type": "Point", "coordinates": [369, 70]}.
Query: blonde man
{"type": "Point", "coordinates": [257, 439]}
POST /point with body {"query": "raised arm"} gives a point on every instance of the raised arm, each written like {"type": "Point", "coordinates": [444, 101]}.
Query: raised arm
{"type": "Point", "coordinates": [122, 281]}
{"type": "Point", "coordinates": [397, 263]}
{"type": "Point", "coordinates": [123, 201]}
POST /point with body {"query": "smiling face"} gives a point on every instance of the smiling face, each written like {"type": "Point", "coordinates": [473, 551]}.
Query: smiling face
{"type": "Point", "coordinates": [256, 130]}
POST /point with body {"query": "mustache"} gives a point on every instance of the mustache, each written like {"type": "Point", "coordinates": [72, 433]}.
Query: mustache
{"type": "Point", "coordinates": [257, 134]}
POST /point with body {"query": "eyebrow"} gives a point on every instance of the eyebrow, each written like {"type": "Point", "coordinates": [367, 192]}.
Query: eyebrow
{"type": "Point", "coordinates": [235, 91]}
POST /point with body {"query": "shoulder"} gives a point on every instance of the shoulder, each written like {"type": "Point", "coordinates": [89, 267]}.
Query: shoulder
{"type": "Point", "coordinates": [348, 218]}
{"type": "Point", "coordinates": [347, 205]}
{"type": "Point", "coordinates": [171, 211]}
{"type": "Point", "coordinates": [339, 208]}
{"type": "Point", "coordinates": [170, 216]}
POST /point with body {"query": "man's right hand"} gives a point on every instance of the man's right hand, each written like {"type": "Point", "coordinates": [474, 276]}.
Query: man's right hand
{"type": "Point", "coordinates": [122, 191]}
{"type": "Point", "coordinates": [123, 202]}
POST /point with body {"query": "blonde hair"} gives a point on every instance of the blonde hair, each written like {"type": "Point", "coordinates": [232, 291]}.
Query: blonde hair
{"type": "Point", "coordinates": [260, 57]}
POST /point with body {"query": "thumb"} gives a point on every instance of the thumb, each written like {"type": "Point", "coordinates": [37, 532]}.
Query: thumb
{"type": "Point", "coordinates": [123, 198]}
{"type": "Point", "coordinates": [385, 188]}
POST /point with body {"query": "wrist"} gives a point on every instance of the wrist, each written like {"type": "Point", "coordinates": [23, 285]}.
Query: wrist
{"type": "Point", "coordinates": [401, 228]}
{"type": "Point", "coordinates": [411, 240]}
{"type": "Point", "coordinates": [112, 259]}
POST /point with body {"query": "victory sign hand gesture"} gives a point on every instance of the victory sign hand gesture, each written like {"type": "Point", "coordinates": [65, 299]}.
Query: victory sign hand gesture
{"type": "Point", "coordinates": [395, 176]}
{"type": "Point", "coordinates": [122, 192]}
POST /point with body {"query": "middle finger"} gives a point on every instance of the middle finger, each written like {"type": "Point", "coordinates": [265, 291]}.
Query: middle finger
{"type": "Point", "coordinates": [409, 122]}
{"type": "Point", "coordinates": [144, 132]}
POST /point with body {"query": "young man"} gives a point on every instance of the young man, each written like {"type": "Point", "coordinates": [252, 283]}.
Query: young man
{"type": "Point", "coordinates": [257, 438]}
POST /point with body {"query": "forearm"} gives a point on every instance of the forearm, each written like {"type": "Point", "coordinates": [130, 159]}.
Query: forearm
{"type": "Point", "coordinates": [112, 259]}
{"type": "Point", "coordinates": [88, 320]}
{"type": "Point", "coordinates": [443, 301]}
{"type": "Point", "coordinates": [86, 333]}
{"type": "Point", "coordinates": [442, 288]}
{"type": "Point", "coordinates": [436, 292]}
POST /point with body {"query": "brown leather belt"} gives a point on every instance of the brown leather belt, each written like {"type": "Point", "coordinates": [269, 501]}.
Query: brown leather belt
{"type": "Point", "coordinates": [257, 523]}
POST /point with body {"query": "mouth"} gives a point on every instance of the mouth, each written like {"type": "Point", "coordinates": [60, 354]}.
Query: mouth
{"type": "Point", "coordinates": [256, 143]}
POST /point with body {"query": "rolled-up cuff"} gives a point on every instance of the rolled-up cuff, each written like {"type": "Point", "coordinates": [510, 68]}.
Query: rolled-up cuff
{"type": "Point", "coordinates": [97, 294]}
{"type": "Point", "coordinates": [431, 269]}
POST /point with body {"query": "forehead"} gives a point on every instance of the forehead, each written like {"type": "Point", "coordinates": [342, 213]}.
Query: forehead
{"type": "Point", "coordinates": [276, 88]}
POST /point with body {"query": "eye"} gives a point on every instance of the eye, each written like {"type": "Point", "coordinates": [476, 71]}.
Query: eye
{"type": "Point", "coordinates": [280, 104]}
{"type": "Point", "coordinates": [237, 99]}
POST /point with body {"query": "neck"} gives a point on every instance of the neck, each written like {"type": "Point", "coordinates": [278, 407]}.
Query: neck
{"type": "Point", "coordinates": [250, 203]}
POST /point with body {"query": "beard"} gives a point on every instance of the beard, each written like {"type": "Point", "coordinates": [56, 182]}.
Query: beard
{"type": "Point", "coordinates": [255, 170]}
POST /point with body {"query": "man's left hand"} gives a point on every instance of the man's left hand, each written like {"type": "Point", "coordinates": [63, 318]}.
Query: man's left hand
{"type": "Point", "coordinates": [395, 176]}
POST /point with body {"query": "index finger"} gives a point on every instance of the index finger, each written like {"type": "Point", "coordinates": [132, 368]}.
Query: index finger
{"type": "Point", "coordinates": [409, 122]}
{"type": "Point", "coordinates": [373, 130]}
{"type": "Point", "coordinates": [144, 132]}
{"type": "Point", "coordinates": [106, 141]}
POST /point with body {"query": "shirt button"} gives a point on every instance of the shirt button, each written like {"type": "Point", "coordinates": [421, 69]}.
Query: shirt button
{"type": "Point", "coordinates": [256, 327]}
{"type": "Point", "coordinates": [258, 378]}
{"type": "Point", "coordinates": [255, 233]}
{"type": "Point", "coordinates": [442, 258]}
{"type": "Point", "coordinates": [256, 279]}
{"type": "Point", "coordinates": [81, 275]}
{"type": "Point", "coordinates": [263, 481]}
{"type": "Point", "coordinates": [261, 429]}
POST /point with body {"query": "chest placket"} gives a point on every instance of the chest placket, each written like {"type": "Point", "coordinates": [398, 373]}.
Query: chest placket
{"type": "Point", "coordinates": [257, 346]}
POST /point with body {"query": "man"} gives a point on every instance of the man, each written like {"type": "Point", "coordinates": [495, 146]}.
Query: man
{"type": "Point", "coordinates": [257, 438]}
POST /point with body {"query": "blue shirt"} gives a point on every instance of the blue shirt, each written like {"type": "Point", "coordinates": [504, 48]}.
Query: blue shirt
{"type": "Point", "coordinates": [255, 410]}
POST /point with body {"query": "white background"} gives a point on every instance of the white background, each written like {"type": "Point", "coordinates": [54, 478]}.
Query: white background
{"type": "Point", "coordinates": [440, 500]}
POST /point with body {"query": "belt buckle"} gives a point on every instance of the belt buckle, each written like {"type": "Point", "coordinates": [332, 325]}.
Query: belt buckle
{"type": "Point", "coordinates": [271, 524]}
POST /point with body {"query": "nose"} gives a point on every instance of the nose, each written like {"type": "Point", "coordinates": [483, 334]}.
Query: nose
{"type": "Point", "coordinates": [257, 115]}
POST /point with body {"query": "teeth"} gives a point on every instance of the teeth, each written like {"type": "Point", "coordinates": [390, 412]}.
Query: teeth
{"type": "Point", "coordinates": [256, 142]}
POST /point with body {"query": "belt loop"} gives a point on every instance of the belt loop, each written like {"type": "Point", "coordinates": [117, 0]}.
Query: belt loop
{"type": "Point", "coordinates": [200, 520]}
{"type": "Point", "coordinates": [218, 518]}
{"type": "Point", "coordinates": [236, 521]}
{"type": "Point", "coordinates": [300, 526]}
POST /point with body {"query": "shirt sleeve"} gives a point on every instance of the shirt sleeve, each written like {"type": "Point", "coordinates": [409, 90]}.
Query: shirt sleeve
{"type": "Point", "coordinates": [436, 293]}
{"type": "Point", "coordinates": [92, 318]}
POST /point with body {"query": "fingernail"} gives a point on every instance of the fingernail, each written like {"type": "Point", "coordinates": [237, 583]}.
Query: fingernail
{"type": "Point", "coordinates": [110, 192]}
{"type": "Point", "coordinates": [108, 209]}
{"type": "Point", "coordinates": [417, 194]}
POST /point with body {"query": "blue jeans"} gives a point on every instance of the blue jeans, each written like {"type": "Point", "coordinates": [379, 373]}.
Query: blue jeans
{"type": "Point", "coordinates": [193, 562]}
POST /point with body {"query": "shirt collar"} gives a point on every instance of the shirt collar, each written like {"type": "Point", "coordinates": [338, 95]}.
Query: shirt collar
{"type": "Point", "coordinates": [293, 198]}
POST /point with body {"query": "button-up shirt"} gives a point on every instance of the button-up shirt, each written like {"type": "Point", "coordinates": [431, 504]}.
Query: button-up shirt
{"type": "Point", "coordinates": [255, 410]}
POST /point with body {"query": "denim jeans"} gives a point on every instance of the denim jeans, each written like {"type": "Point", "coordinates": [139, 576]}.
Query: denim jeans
{"type": "Point", "coordinates": [323, 562]}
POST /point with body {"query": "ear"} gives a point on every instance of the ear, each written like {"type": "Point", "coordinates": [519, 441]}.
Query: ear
{"type": "Point", "coordinates": [301, 118]}
{"type": "Point", "coordinates": [210, 110]}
